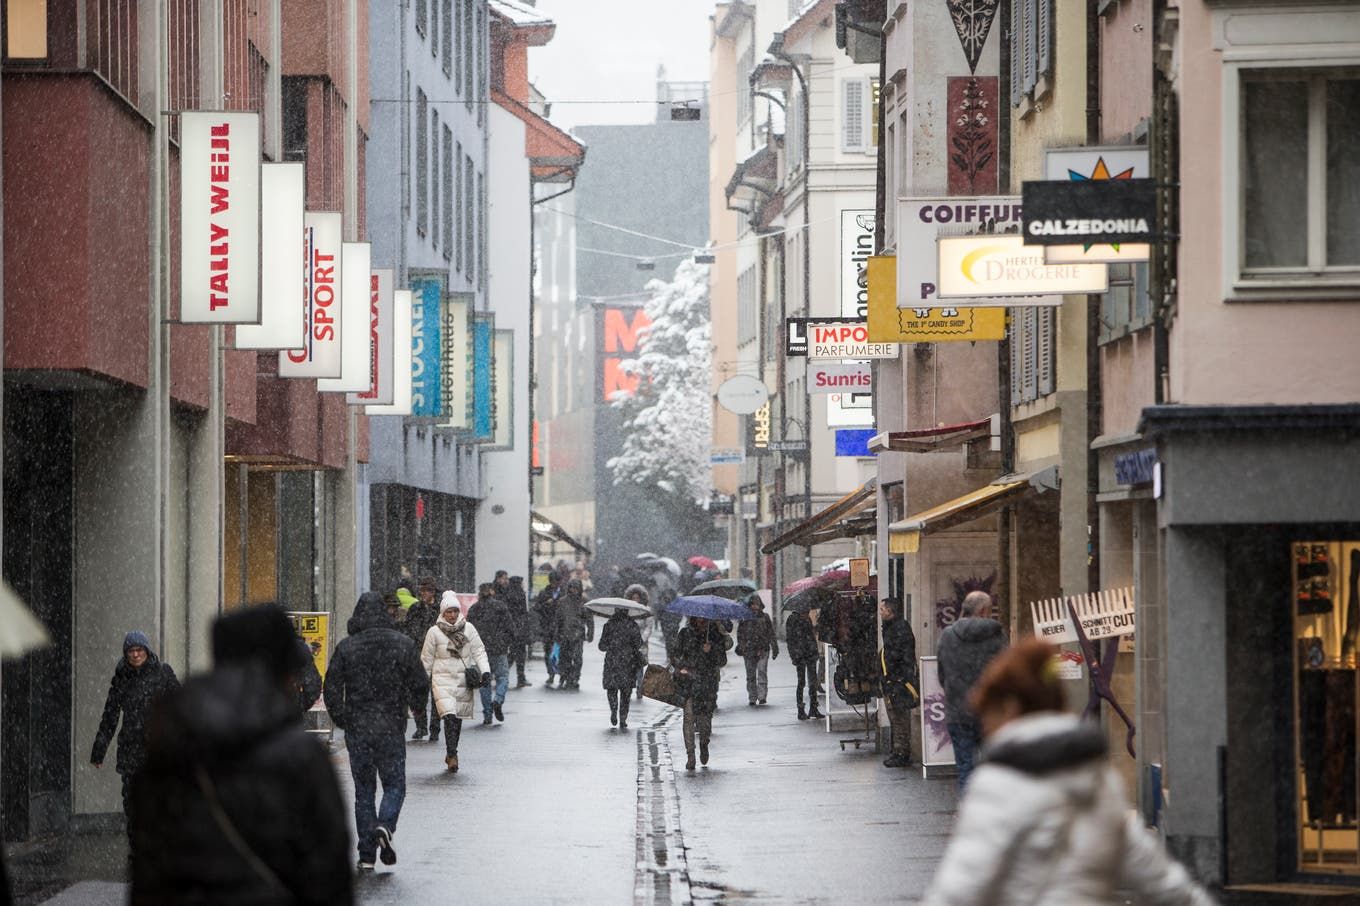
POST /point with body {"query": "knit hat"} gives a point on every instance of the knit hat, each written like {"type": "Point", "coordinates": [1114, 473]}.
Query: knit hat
{"type": "Point", "coordinates": [136, 639]}
{"type": "Point", "coordinates": [263, 634]}
{"type": "Point", "coordinates": [450, 599]}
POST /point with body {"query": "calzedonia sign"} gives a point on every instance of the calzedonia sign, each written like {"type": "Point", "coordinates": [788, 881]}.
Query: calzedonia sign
{"type": "Point", "coordinates": [1089, 211]}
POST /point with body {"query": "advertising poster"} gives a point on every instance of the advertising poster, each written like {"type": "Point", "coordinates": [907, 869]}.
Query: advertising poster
{"type": "Point", "coordinates": [457, 374]}
{"type": "Point", "coordinates": [426, 346]}
{"type": "Point", "coordinates": [315, 629]}
{"type": "Point", "coordinates": [857, 244]}
{"type": "Point", "coordinates": [483, 375]}
{"type": "Point", "coordinates": [936, 748]}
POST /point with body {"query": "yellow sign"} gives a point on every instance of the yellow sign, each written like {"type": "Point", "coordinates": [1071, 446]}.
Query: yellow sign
{"type": "Point", "coordinates": [859, 572]}
{"type": "Point", "coordinates": [890, 324]}
{"type": "Point", "coordinates": [315, 629]}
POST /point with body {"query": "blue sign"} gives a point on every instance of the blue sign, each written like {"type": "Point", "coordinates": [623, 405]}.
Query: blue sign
{"type": "Point", "coordinates": [1136, 467]}
{"type": "Point", "coordinates": [854, 441]}
{"type": "Point", "coordinates": [483, 334]}
{"type": "Point", "coordinates": [426, 348]}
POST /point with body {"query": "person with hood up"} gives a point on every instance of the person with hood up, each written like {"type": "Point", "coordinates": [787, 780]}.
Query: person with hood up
{"type": "Point", "coordinates": [451, 647]}
{"type": "Point", "coordinates": [638, 594]}
{"type": "Point", "coordinates": [1045, 819]}
{"type": "Point", "coordinates": [139, 679]}
{"type": "Point", "coordinates": [621, 642]}
{"type": "Point", "coordinates": [756, 644]}
{"type": "Point", "coordinates": [545, 606]}
{"type": "Point", "coordinates": [700, 655]}
{"type": "Point", "coordinates": [965, 650]}
{"type": "Point", "coordinates": [420, 616]}
{"type": "Point", "coordinates": [493, 624]}
{"type": "Point", "coordinates": [374, 677]}
{"type": "Point", "coordinates": [517, 604]}
{"type": "Point", "coordinates": [801, 641]}
{"type": "Point", "coordinates": [571, 633]}
{"type": "Point", "coordinates": [237, 803]}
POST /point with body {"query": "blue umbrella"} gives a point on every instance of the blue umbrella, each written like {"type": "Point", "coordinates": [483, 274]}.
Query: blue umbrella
{"type": "Point", "coordinates": [710, 607]}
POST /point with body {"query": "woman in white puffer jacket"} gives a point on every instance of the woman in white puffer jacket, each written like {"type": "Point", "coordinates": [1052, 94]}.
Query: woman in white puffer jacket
{"type": "Point", "coordinates": [1045, 818]}
{"type": "Point", "coordinates": [451, 646]}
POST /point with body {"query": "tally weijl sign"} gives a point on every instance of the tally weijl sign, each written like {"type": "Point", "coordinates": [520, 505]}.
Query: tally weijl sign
{"type": "Point", "coordinates": [320, 354]}
{"type": "Point", "coordinates": [219, 217]}
{"type": "Point", "coordinates": [985, 268]}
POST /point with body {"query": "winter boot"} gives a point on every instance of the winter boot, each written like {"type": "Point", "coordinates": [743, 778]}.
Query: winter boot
{"type": "Point", "coordinates": [689, 762]}
{"type": "Point", "coordinates": [452, 764]}
{"type": "Point", "coordinates": [613, 717]}
{"type": "Point", "coordinates": [802, 712]}
{"type": "Point", "coordinates": [815, 714]}
{"type": "Point", "coordinates": [703, 751]}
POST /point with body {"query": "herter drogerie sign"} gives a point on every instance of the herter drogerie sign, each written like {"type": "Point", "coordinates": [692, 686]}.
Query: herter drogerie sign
{"type": "Point", "coordinates": [1089, 211]}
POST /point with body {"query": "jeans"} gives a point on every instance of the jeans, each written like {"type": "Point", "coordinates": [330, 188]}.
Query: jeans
{"type": "Point", "coordinates": [757, 676]}
{"type": "Point", "coordinates": [966, 739]}
{"type": "Point", "coordinates": [453, 731]}
{"type": "Point", "coordinates": [547, 650]}
{"type": "Point", "coordinates": [500, 671]}
{"type": "Point", "coordinates": [807, 676]}
{"type": "Point", "coordinates": [374, 757]}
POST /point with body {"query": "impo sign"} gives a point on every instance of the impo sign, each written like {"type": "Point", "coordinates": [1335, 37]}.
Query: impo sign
{"type": "Point", "coordinates": [846, 341]}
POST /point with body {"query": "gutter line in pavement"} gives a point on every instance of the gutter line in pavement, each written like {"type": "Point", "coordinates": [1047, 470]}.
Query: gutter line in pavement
{"type": "Point", "coordinates": [662, 874]}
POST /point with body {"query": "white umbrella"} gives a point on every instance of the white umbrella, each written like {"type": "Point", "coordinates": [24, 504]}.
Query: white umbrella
{"type": "Point", "coordinates": [20, 631]}
{"type": "Point", "coordinates": [646, 556]}
{"type": "Point", "coordinates": [607, 606]}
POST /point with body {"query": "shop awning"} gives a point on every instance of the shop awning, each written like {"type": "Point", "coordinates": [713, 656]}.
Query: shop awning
{"type": "Point", "coordinates": [904, 537]}
{"type": "Point", "coordinates": [807, 531]}
{"type": "Point", "coordinates": [929, 440]}
{"type": "Point", "coordinates": [542, 527]}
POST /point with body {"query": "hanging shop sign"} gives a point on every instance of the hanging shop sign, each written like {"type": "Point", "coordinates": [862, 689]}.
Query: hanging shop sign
{"type": "Point", "coordinates": [859, 572]}
{"type": "Point", "coordinates": [845, 341]}
{"type": "Point", "coordinates": [726, 456]}
{"type": "Point", "coordinates": [796, 333]}
{"type": "Point", "coordinates": [758, 431]}
{"type": "Point", "coordinates": [1096, 164]}
{"type": "Point", "coordinates": [1136, 467]}
{"type": "Point", "coordinates": [788, 446]}
{"type": "Point", "coordinates": [857, 244]}
{"type": "Point", "coordinates": [1103, 614]}
{"type": "Point", "coordinates": [219, 170]}
{"type": "Point", "coordinates": [920, 223]}
{"type": "Point", "coordinates": [889, 324]}
{"type": "Point", "coordinates": [356, 336]}
{"type": "Point", "coordinates": [1004, 271]}
{"type": "Point", "coordinates": [283, 324]}
{"type": "Point", "coordinates": [402, 360]}
{"type": "Point", "coordinates": [849, 410]}
{"type": "Point", "coordinates": [319, 356]}
{"type": "Point", "coordinates": [456, 371]}
{"type": "Point", "coordinates": [483, 376]}
{"type": "Point", "coordinates": [502, 396]}
{"type": "Point", "coordinates": [380, 312]}
{"type": "Point", "coordinates": [854, 442]}
{"type": "Point", "coordinates": [839, 377]}
{"type": "Point", "coordinates": [1106, 211]}
{"type": "Point", "coordinates": [742, 394]}
{"type": "Point", "coordinates": [427, 346]}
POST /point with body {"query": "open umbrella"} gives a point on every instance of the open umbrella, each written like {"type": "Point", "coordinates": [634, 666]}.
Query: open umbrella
{"type": "Point", "coordinates": [823, 580]}
{"type": "Point", "coordinates": [732, 589]}
{"type": "Point", "coordinates": [647, 556]}
{"type": "Point", "coordinates": [606, 607]}
{"type": "Point", "coordinates": [658, 564]}
{"type": "Point", "coordinates": [812, 597]}
{"type": "Point", "coordinates": [702, 562]}
{"type": "Point", "coordinates": [20, 631]}
{"type": "Point", "coordinates": [710, 607]}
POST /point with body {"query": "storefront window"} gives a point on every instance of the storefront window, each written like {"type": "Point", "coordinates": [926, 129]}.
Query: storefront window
{"type": "Point", "coordinates": [1326, 629]}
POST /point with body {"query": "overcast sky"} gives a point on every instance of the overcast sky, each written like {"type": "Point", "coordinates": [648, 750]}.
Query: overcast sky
{"type": "Point", "coordinates": [610, 49]}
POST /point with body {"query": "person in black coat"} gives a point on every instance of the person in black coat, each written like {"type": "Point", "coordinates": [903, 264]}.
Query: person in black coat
{"type": "Point", "coordinates": [571, 633]}
{"type": "Point", "coordinates": [517, 605]}
{"type": "Point", "coordinates": [545, 606]}
{"type": "Point", "coordinates": [756, 644]}
{"type": "Point", "coordinates": [621, 642]}
{"type": "Point", "coordinates": [420, 616]}
{"type": "Point", "coordinates": [700, 655]}
{"type": "Point", "coordinates": [801, 641]}
{"type": "Point", "coordinates": [492, 620]}
{"type": "Point", "coordinates": [237, 803]}
{"type": "Point", "coordinates": [901, 685]}
{"type": "Point", "coordinates": [139, 680]}
{"type": "Point", "coordinates": [374, 676]}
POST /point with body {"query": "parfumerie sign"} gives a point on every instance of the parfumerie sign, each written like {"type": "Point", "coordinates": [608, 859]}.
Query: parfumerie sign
{"type": "Point", "coordinates": [846, 341]}
{"type": "Point", "coordinates": [1089, 211]}
{"type": "Point", "coordinates": [220, 217]}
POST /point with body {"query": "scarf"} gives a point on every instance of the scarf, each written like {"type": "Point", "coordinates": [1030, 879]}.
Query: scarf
{"type": "Point", "coordinates": [456, 639]}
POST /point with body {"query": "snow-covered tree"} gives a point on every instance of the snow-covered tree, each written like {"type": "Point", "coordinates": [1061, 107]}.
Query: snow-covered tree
{"type": "Point", "coordinates": [667, 422]}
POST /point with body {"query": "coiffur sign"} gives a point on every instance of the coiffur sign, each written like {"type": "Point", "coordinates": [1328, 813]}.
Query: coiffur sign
{"type": "Point", "coordinates": [319, 356]}
{"type": "Point", "coordinates": [921, 221]}
{"type": "Point", "coordinates": [219, 168]}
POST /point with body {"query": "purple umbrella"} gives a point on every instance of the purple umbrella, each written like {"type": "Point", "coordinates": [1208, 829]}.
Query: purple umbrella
{"type": "Point", "coordinates": [710, 607]}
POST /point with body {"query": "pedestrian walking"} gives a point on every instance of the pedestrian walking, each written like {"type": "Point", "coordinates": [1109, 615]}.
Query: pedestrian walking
{"type": "Point", "coordinates": [420, 616]}
{"type": "Point", "coordinates": [901, 686]}
{"type": "Point", "coordinates": [801, 640]}
{"type": "Point", "coordinates": [571, 633]}
{"type": "Point", "coordinates": [756, 644]}
{"type": "Point", "coordinates": [237, 803]}
{"type": "Point", "coordinates": [452, 649]}
{"type": "Point", "coordinates": [670, 622]}
{"type": "Point", "coordinates": [1045, 818]}
{"type": "Point", "coordinates": [638, 594]}
{"type": "Point", "coordinates": [700, 655]}
{"type": "Point", "coordinates": [493, 624]}
{"type": "Point", "coordinates": [374, 677]}
{"type": "Point", "coordinates": [517, 603]}
{"type": "Point", "coordinates": [139, 679]}
{"type": "Point", "coordinates": [545, 607]}
{"type": "Point", "coordinates": [621, 642]}
{"type": "Point", "coordinates": [965, 650]}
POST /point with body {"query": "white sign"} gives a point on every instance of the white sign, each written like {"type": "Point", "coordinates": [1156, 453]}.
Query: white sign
{"type": "Point", "coordinates": [356, 335]}
{"type": "Point", "coordinates": [937, 747]}
{"type": "Point", "coordinates": [726, 456]}
{"type": "Point", "coordinates": [986, 268]}
{"type": "Point", "coordinates": [919, 222]}
{"type": "Point", "coordinates": [850, 410]}
{"type": "Point", "coordinates": [503, 389]}
{"type": "Point", "coordinates": [219, 171]}
{"type": "Point", "coordinates": [319, 356]}
{"type": "Point", "coordinates": [283, 190]}
{"type": "Point", "coordinates": [380, 389]}
{"type": "Point", "coordinates": [1096, 163]}
{"type": "Point", "coordinates": [846, 341]}
{"type": "Point", "coordinates": [857, 244]}
{"type": "Point", "coordinates": [839, 377]}
{"type": "Point", "coordinates": [401, 358]}
{"type": "Point", "coordinates": [742, 394]}
{"type": "Point", "coordinates": [1103, 614]}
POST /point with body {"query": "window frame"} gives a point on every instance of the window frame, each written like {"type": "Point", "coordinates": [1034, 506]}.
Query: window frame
{"type": "Point", "coordinates": [865, 93]}
{"type": "Point", "coordinates": [422, 163]}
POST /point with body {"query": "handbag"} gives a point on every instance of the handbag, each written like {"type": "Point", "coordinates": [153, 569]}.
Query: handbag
{"type": "Point", "coordinates": [659, 684]}
{"type": "Point", "coordinates": [472, 677]}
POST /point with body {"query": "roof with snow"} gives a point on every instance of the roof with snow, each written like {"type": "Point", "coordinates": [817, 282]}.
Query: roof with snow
{"type": "Point", "coordinates": [519, 14]}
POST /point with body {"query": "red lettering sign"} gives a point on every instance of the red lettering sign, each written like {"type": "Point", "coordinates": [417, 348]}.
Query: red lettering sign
{"type": "Point", "coordinates": [219, 173]}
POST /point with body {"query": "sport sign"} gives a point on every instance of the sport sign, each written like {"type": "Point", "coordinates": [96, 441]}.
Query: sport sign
{"type": "Point", "coordinates": [846, 341]}
{"type": "Point", "coordinates": [1103, 615]}
{"type": "Point", "coordinates": [219, 171]}
{"type": "Point", "coordinates": [1002, 268]}
{"type": "Point", "coordinates": [319, 356]}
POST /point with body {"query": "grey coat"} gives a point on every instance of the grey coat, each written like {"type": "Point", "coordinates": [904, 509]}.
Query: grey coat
{"type": "Point", "coordinates": [965, 650]}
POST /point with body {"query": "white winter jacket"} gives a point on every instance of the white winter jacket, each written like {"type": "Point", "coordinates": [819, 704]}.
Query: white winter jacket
{"type": "Point", "coordinates": [1045, 820]}
{"type": "Point", "coordinates": [445, 667]}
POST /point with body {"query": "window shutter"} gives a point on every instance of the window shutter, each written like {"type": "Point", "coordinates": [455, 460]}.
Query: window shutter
{"type": "Point", "coordinates": [852, 117]}
{"type": "Point", "coordinates": [1027, 354]}
{"type": "Point", "coordinates": [1028, 36]}
{"type": "Point", "coordinates": [1045, 36]}
{"type": "Point", "coordinates": [1016, 54]}
{"type": "Point", "coordinates": [1045, 324]}
{"type": "Point", "coordinates": [1017, 379]}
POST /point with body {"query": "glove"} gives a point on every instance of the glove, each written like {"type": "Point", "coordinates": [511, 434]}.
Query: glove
{"type": "Point", "coordinates": [486, 679]}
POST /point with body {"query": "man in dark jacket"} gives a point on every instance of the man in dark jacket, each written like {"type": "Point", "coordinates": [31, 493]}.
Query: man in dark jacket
{"type": "Point", "coordinates": [900, 681]}
{"type": "Point", "coordinates": [545, 606]}
{"type": "Point", "coordinates": [801, 640]}
{"type": "Point", "coordinates": [489, 615]}
{"type": "Point", "coordinates": [517, 605]}
{"type": "Point", "coordinates": [420, 616]}
{"type": "Point", "coordinates": [237, 803]}
{"type": "Point", "coordinates": [374, 676]}
{"type": "Point", "coordinates": [966, 648]}
{"type": "Point", "coordinates": [756, 644]}
{"type": "Point", "coordinates": [571, 633]}
{"type": "Point", "coordinates": [139, 679]}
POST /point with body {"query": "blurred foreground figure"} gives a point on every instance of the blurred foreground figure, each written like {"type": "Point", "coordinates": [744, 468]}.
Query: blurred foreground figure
{"type": "Point", "coordinates": [237, 803]}
{"type": "Point", "coordinates": [1045, 819]}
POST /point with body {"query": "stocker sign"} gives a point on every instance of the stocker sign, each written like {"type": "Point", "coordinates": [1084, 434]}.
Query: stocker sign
{"type": "Point", "coordinates": [1067, 212]}
{"type": "Point", "coordinates": [846, 341]}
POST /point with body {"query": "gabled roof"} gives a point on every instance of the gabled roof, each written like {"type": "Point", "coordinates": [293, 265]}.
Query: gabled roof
{"type": "Point", "coordinates": [554, 156]}
{"type": "Point", "coordinates": [531, 25]}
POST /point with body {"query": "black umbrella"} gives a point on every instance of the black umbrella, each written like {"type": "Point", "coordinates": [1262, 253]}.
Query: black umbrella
{"type": "Point", "coordinates": [732, 589]}
{"type": "Point", "coordinates": [815, 598]}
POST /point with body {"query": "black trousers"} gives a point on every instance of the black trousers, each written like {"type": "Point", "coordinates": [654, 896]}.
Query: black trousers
{"type": "Point", "coordinates": [807, 676]}
{"type": "Point", "coordinates": [428, 723]}
{"type": "Point", "coordinates": [619, 700]}
{"type": "Point", "coordinates": [519, 653]}
{"type": "Point", "coordinates": [453, 731]}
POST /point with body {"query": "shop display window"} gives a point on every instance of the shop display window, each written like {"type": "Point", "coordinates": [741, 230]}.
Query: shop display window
{"type": "Point", "coordinates": [1326, 600]}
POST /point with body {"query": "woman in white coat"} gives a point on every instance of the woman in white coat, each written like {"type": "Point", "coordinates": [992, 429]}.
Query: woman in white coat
{"type": "Point", "coordinates": [452, 646]}
{"type": "Point", "coordinates": [1045, 818]}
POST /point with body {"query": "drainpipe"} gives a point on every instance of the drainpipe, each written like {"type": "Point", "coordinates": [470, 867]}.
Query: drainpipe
{"type": "Point", "coordinates": [1003, 348]}
{"type": "Point", "coordinates": [1094, 391]}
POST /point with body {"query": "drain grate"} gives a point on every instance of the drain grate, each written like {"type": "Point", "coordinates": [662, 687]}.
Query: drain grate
{"type": "Point", "coordinates": [662, 874]}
